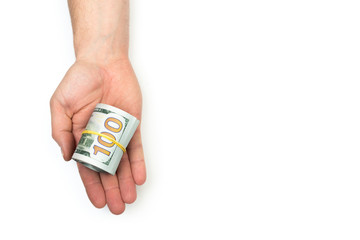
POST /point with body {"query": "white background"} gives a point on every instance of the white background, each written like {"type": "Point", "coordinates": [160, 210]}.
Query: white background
{"type": "Point", "coordinates": [251, 122]}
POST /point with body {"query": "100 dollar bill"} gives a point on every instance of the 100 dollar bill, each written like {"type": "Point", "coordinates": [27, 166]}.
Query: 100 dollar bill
{"type": "Point", "coordinates": [98, 152]}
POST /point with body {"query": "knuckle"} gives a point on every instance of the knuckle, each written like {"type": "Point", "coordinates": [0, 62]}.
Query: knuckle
{"type": "Point", "coordinates": [54, 134]}
{"type": "Point", "coordinates": [137, 160]}
{"type": "Point", "coordinates": [135, 146]}
{"type": "Point", "coordinates": [52, 102]}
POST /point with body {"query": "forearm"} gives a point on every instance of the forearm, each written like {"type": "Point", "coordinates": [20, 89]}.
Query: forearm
{"type": "Point", "coordinates": [101, 29]}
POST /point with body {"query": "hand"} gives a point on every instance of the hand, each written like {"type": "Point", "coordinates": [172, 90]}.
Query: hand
{"type": "Point", "coordinates": [85, 85]}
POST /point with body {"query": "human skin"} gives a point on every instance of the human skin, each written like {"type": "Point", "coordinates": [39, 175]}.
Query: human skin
{"type": "Point", "coordinates": [102, 73]}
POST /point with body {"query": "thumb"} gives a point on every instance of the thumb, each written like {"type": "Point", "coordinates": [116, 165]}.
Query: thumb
{"type": "Point", "coordinates": [61, 125]}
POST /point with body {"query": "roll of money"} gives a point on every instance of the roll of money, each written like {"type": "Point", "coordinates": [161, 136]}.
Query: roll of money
{"type": "Point", "coordinates": [105, 138]}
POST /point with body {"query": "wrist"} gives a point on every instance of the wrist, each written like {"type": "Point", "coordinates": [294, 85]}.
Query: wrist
{"type": "Point", "coordinates": [102, 49]}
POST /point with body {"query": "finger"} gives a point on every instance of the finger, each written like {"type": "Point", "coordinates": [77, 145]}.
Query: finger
{"type": "Point", "coordinates": [136, 157]}
{"type": "Point", "coordinates": [126, 181]}
{"type": "Point", "coordinates": [112, 193]}
{"type": "Point", "coordinates": [61, 125]}
{"type": "Point", "coordinates": [93, 186]}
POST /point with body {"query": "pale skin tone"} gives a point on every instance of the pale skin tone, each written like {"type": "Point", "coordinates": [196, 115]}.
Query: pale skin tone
{"type": "Point", "coordinates": [102, 73]}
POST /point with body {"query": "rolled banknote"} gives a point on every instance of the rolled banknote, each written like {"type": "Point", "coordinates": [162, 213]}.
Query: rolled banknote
{"type": "Point", "coordinates": [105, 138]}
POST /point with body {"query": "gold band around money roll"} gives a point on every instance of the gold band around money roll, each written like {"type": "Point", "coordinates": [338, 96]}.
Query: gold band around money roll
{"type": "Point", "coordinates": [107, 137]}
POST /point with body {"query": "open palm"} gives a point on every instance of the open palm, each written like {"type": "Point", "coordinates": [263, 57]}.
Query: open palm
{"type": "Point", "coordinates": [85, 85]}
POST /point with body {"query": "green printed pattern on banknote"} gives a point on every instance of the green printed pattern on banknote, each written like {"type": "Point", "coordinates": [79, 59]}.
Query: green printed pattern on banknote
{"type": "Point", "coordinates": [97, 152]}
